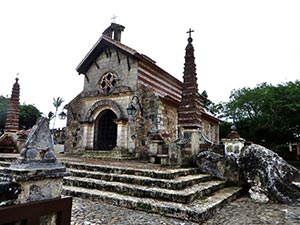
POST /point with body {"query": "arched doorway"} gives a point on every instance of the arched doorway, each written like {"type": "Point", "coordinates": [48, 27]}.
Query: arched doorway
{"type": "Point", "coordinates": [105, 136]}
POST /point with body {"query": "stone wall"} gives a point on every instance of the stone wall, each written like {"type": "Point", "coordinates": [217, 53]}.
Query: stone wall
{"type": "Point", "coordinates": [170, 121]}
{"type": "Point", "coordinates": [160, 117]}
{"type": "Point", "coordinates": [74, 131]}
{"type": "Point", "coordinates": [211, 130]}
{"type": "Point", "coordinates": [124, 67]}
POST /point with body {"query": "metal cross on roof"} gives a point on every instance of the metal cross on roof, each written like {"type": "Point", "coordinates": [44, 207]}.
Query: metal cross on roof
{"type": "Point", "coordinates": [190, 32]}
{"type": "Point", "coordinates": [114, 18]}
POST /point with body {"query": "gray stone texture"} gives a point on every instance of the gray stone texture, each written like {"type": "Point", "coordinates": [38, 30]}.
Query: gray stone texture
{"type": "Point", "coordinates": [268, 175]}
{"type": "Point", "coordinates": [220, 166]}
{"type": "Point", "coordinates": [39, 137]}
{"type": "Point", "coordinates": [262, 171]}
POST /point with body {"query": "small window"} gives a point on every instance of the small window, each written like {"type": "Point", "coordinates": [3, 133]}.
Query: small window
{"type": "Point", "coordinates": [107, 82]}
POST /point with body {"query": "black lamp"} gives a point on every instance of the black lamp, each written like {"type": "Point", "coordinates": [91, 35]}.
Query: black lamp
{"type": "Point", "coordinates": [132, 109]}
{"type": "Point", "coordinates": [62, 115]}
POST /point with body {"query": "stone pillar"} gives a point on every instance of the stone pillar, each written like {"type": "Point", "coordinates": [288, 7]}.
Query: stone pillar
{"type": "Point", "coordinates": [37, 171]}
{"type": "Point", "coordinates": [122, 133]}
{"type": "Point", "coordinates": [155, 148]}
{"type": "Point", "coordinates": [233, 143]}
{"type": "Point", "coordinates": [192, 148]}
{"type": "Point", "coordinates": [39, 179]}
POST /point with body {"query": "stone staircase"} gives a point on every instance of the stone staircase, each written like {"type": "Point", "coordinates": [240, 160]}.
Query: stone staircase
{"type": "Point", "coordinates": [6, 159]}
{"type": "Point", "coordinates": [115, 154]}
{"type": "Point", "coordinates": [182, 193]}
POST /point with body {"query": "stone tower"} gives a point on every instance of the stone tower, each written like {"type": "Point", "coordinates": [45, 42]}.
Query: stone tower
{"type": "Point", "coordinates": [13, 112]}
{"type": "Point", "coordinates": [191, 105]}
{"type": "Point", "coordinates": [8, 141]}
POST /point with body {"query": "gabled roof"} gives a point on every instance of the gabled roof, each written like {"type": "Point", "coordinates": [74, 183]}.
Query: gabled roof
{"type": "Point", "coordinates": [100, 46]}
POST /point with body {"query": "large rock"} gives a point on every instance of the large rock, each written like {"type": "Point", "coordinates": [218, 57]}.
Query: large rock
{"type": "Point", "coordinates": [264, 172]}
{"type": "Point", "coordinates": [219, 166]}
{"type": "Point", "coordinates": [268, 175]}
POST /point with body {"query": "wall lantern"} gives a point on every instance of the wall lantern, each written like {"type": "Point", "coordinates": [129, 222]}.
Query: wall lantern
{"type": "Point", "coordinates": [132, 108]}
{"type": "Point", "coordinates": [62, 115]}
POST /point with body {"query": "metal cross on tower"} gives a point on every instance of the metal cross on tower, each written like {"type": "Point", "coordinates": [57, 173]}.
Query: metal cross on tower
{"type": "Point", "coordinates": [114, 18]}
{"type": "Point", "coordinates": [190, 32]}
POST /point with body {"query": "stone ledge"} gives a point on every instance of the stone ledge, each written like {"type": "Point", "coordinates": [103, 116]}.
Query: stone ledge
{"type": "Point", "coordinates": [186, 195]}
{"type": "Point", "coordinates": [176, 184]}
{"type": "Point", "coordinates": [198, 211]}
{"type": "Point", "coordinates": [34, 171]}
{"type": "Point", "coordinates": [165, 174]}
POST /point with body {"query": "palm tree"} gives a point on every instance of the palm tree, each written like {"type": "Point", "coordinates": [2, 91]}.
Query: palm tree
{"type": "Point", "coordinates": [57, 103]}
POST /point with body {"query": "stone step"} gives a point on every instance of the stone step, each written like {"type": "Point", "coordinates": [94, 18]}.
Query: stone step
{"type": "Point", "coordinates": [109, 155]}
{"type": "Point", "coordinates": [186, 195]}
{"type": "Point", "coordinates": [160, 174]}
{"type": "Point", "coordinates": [198, 211]}
{"type": "Point", "coordinates": [175, 184]}
{"type": "Point", "coordinates": [8, 157]}
{"type": "Point", "coordinates": [4, 164]}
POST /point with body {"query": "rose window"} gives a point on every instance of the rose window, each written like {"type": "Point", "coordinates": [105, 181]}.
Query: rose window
{"type": "Point", "coordinates": [107, 82]}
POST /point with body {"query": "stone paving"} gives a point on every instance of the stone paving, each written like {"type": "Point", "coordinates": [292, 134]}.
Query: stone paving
{"type": "Point", "coordinates": [242, 211]}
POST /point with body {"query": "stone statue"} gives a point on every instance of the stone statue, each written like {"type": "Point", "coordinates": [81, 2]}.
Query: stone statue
{"type": "Point", "coordinates": [38, 145]}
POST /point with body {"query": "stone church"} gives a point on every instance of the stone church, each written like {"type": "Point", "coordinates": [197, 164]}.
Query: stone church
{"type": "Point", "coordinates": [128, 101]}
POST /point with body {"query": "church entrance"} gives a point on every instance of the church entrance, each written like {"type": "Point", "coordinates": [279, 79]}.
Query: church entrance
{"type": "Point", "coordinates": [105, 136]}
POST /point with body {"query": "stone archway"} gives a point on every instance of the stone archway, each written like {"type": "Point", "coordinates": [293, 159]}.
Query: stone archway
{"type": "Point", "coordinates": [105, 132]}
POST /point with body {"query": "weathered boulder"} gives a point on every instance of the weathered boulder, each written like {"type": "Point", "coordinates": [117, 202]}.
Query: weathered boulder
{"type": "Point", "coordinates": [269, 176]}
{"type": "Point", "coordinates": [219, 166]}
{"type": "Point", "coordinates": [265, 173]}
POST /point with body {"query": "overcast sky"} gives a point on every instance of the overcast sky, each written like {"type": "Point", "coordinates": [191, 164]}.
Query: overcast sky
{"type": "Point", "coordinates": [237, 43]}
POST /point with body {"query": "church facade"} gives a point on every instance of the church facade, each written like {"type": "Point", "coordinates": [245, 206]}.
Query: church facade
{"type": "Point", "coordinates": [127, 100]}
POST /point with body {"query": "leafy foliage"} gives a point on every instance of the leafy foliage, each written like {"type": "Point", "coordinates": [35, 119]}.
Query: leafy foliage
{"type": "Point", "coordinates": [266, 114]}
{"type": "Point", "coordinates": [56, 103]}
{"type": "Point", "coordinates": [28, 116]}
{"type": "Point", "coordinates": [4, 102]}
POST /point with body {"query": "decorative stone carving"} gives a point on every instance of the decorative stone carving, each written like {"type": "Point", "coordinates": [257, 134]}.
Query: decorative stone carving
{"type": "Point", "coordinates": [38, 144]}
{"type": "Point", "coordinates": [233, 143]}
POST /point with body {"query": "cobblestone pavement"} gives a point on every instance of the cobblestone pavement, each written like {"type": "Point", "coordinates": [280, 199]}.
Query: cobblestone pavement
{"type": "Point", "coordinates": [243, 211]}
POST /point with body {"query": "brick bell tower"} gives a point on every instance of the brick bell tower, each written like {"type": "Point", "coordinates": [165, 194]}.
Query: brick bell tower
{"type": "Point", "coordinates": [192, 103]}
{"type": "Point", "coordinates": [12, 119]}
{"type": "Point", "coordinates": [8, 141]}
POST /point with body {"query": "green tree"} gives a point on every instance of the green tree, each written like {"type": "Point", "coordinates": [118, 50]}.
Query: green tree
{"type": "Point", "coordinates": [4, 102]}
{"type": "Point", "coordinates": [28, 116]}
{"type": "Point", "coordinates": [267, 114]}
{"type": "Point", "coordinates": [56, 103]}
